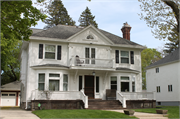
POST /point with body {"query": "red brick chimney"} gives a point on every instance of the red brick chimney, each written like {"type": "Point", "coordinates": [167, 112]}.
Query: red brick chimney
{"type": "Point", "coordinates": [126, 31]}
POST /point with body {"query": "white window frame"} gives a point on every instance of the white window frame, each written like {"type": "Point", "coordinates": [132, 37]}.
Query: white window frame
{"type": "Point", "coordinates": [66, 82]}
{"type": "Point", "coordinates": [90, 58]}
{"type": "Point", "coordinates": [170, 88]}
{"type": "Point", "coordinates": [116, 82]}
{"type": "Point", "coordinates": [41, 82]}
{"type": "Point", "coordinates": [125, 81]}
{"type": "Point", "coordinates": [157, 70]}
{"type": "Point", "coordinates": [124, 57]}
{"type": "Point", "coordinates": [158, 89]}
{"type": "Point", "coordinates": [54, 78]}
{"type": "Point", "coordinates": [44, 51]}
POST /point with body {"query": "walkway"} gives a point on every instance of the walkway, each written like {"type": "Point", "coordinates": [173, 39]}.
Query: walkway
{"type": "Point", "coordinates": [16, 113]}
{"type": "Point", "coordinates": [142, 115]}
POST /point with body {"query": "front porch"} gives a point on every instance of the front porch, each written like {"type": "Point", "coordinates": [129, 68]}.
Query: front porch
{"type": "Point", "coordinates": [78, 100]}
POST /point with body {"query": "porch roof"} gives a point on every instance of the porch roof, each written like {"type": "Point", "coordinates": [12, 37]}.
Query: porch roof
{"type": "Point", "coordinates": [51, 65]}
{"type": "Point", "coordinates": [126, 69]}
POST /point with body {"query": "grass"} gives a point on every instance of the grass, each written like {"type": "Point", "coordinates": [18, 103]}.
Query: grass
{"type": "Point", "coordinates": [79, 114]}
{"type": "Point", "coordinates": [173, 111]}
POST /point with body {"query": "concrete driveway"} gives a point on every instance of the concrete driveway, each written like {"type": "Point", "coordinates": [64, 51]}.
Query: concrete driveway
{"type": "Point", "coordinates": [16, 113]}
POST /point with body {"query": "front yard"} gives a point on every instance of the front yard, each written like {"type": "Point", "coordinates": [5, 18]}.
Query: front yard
{"type": "Point", "coordinates": [79, 114]}
{"type": "Point", "coordinates": [173, 111]}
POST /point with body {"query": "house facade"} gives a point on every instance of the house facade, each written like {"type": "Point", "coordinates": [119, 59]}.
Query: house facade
{"type": "Point", "coordinates": [70, 63]}
{"type": "Point", "coordinates": [163, 77]}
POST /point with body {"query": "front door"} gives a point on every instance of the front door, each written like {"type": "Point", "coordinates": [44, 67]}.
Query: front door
{"type": "Point", "coordinates": [89, 86]}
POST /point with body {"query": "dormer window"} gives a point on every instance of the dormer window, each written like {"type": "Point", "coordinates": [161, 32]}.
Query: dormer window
{"type": "Point", "coordinates": [90, 37]}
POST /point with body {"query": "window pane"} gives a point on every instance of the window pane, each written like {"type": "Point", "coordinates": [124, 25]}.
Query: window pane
{"type": "Point", "coordinates": [113, 80]}
{"type": "Point", "coordinates": [97, 84]}
{"type": "Point", "coordinates": [124, 86]}
{"type": "Point", "coordinates": [87, 55]}
{"type": "Point", "coordinates": [80, 83]}
{"type": "Point", "coordinates": [11, 94]}
{"type": "Point", "coordinates": [4, 94]}
{"type": "Point", "coordinates": [54, 85]}
{"type": "Point", "coordinates": [114, 87]}
{"type": "Point", "coordinates": [124, 53]}
{"type": "Point", "coordinates": [65, 82]}
{"type": "Point", "coordinates": [117, 56]}
{"type": "Point", "coordinates": [124, 60]}
{"type": "Point", "coordinates": [50, 48]}
{"type": "Point", "coordinates": [49, 55]}
{"type": "Point", "coordinates": [54, 75]}
{"type": "Point", "coordinates": [65, 87]}
{"type": "Point", "coordinates": [41, 78]}
{"type": "Point", "coordinates": [124, 78]}
{"type": "Point", "coordinates": [41, 86]}
{"type": "Point", "coordinates": [65, 78]}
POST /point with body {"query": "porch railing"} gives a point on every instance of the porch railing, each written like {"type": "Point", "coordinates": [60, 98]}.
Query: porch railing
{"type": "Point", "coordinates": [121, 98]}
{"type": "Point", "coordinates": [139, 95]}
{"type": "Point", "coordinates": [84, 98]}
{"type": "Point", "coordinates": [91, 62]}
{"type": "Point", "coordinates": [60, 95]}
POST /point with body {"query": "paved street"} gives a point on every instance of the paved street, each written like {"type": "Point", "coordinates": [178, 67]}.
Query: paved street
{"type": "Point", "coordinates": [16, 113]}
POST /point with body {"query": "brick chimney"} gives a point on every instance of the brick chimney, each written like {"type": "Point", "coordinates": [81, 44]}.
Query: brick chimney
{"type": "Point", "coordinates": [126, 31]}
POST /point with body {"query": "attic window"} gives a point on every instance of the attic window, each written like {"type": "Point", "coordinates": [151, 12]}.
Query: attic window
{"type": "Point", "coordinates": [90, 37]}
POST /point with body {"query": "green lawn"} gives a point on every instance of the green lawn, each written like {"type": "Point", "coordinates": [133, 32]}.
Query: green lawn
{"type": "Point", "coordinates": [79, 114]}
{"type": "Point", "coordinates": [173, 111]}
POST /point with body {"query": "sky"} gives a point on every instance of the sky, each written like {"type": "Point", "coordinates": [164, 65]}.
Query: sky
{"type": "Point", "coordinates": [110, 16]}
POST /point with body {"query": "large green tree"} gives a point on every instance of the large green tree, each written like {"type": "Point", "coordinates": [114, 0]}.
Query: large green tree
{"type": "Point", "coordinates": [57, 15]}
{"type": "Point", "coordinates": [163, 17]}
{"type": "Point", "coordinates": [86, 18]}
{"type": "Point", "coordinates": [16, 19]}
{"type": "Point", "coordinates": [148, 56]}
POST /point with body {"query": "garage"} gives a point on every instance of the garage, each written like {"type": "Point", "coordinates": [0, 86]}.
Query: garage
{"type": "Point", "coordinates": [10, 94]}
{"type": "Point", "coordinates": [8, 99]}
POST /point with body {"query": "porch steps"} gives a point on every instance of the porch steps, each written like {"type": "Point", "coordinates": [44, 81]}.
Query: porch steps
{"type": "Point", "coordinates": [104, 104]}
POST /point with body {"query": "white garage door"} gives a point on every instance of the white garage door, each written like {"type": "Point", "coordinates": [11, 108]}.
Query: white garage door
{"type": "Point", "coordinates": [8, 99]}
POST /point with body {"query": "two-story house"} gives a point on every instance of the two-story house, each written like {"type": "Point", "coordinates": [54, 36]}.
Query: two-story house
{"type": "Point", "coordinates": [75, 63]}
{"type": "Point", "coordinates": [163, 77]}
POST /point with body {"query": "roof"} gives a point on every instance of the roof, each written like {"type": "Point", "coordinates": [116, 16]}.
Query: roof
{"type": "Point", "coordinates": [51, 65]}
{"type": "Point", "coordinates": [64, 32]}
{"type": "Point", "coordinates": [13, 86]}
{"type": "Point", "coordinates": [174, 56]}
{"type": "Point", "coordinates": [36, 30]}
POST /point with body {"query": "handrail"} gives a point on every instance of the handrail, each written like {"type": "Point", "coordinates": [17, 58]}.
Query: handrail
{"type": "Point", "coordinates": [84, 98]}
{"type": "Point", "coordinates": [121, 98]}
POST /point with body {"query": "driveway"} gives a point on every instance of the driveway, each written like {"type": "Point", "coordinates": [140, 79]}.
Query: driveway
{"type": "Point", "coordinates": [16, 113]}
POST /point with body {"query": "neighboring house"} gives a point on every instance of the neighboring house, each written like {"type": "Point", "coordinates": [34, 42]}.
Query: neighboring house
{"type": "Point", "coordinates": [163, 77]}
{"type": "Point", "coordinates": [10, 94]}
{"type": "Point", "coordinates": [80, 63]}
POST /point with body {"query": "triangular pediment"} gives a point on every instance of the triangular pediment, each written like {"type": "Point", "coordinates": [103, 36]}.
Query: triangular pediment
{"type": "Point", "coordinates": [92, 35]}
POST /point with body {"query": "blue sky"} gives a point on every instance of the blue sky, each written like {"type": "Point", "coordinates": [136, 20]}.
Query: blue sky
{"type": "Point", "coordinates": [110, 16]}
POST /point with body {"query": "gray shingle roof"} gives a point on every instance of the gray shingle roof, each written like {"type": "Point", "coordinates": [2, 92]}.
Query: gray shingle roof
{"type": "Point", "coordinates": [13, 86]}
{"type": "Point", "coordinates": [51, 65]}
{"type": "Point", "coordinates": [174, 56]}
{"type": "Point", "coordinates": [64, 32]}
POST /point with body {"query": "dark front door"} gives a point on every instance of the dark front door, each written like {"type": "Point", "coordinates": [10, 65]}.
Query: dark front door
{"type": "Point", "coordinates": [89, 86]}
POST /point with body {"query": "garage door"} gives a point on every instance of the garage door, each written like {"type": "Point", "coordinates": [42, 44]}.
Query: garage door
{"type": "Point", "coordinates": [8, 99]}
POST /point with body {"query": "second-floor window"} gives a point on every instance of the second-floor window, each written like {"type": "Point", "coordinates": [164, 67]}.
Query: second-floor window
{"type": "Point", "coordinates": [125, 57]}
{"type": "Point", "coordinates": [90, 54]}
{"type": "Point", "coordinates": [169, 88]}
{"type": "Point", "coordinates": [51, 51]}
{"type": "Point", "coordinates": [158, 89]}
{"type": "Point", "coordinates": [157, 70]}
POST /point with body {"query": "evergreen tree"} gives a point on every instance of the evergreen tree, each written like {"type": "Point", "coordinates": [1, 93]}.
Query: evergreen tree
{"type": "Point", "coordinates": [87, 18]}
{"type": "Point", "coordinates": [58, 15]}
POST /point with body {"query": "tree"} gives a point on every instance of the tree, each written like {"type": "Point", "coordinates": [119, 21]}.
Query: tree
{"type": "Point", "coordinates": [87, 18]}
{"type": "Point", "coordinates": [163, 17]}
{"type": "Point", "coordinates": [148, 56]}
{"type": "Point", "coordinates": [58, 15]}
{"type": "Point", "coordinates": [16, 19]}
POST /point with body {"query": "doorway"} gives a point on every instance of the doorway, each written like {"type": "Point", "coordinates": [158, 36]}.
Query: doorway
{"type": "Point", "coordinates": [89, 86]}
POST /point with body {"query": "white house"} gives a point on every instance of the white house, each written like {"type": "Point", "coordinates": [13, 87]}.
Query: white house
{"type": "Point", "coordinates": [10, 94]}
{"type": "Point", "coordinates": [80, 63]}
{"type": "Point", "coordinates": [163, 77]}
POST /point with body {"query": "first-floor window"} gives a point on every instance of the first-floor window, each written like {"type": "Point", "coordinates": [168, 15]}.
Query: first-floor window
{"type": "Point", "coordinates": [169, 88]}
{"type": "Point", "coordinates": [124, 84]}
{"type": "Point", "coordinates": [41, 81]}
{"type": "Point", "coordinates": [114, 82]}
{"type": "Point", "coordinates": [97, 84]}
{"type": "Point", "coordinates": [54, 85]}
{"type": "Point", "coordinates": [65, 82]}
{"type": "Point", "coordinates": [158, 89]}
{"type": "Point", "coordinates": [133, 86]}
{"type": "Point", "coordinates": [80, 83]}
